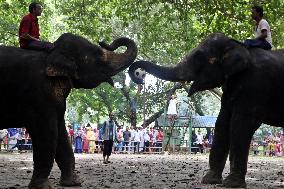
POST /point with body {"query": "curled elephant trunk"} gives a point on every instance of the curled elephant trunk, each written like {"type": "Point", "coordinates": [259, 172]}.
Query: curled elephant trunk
{"type": "Point", "coordinates": [119, 61]}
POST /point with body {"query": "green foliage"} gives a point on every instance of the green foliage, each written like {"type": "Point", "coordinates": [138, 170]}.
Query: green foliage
{"type": "Point", "coordinates": [164, 30]}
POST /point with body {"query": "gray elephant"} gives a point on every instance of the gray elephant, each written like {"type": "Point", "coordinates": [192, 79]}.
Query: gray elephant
{"type": "Point", "coordinates": [253, 88]}
{"type": "Point", "coordinates": [34, 87]}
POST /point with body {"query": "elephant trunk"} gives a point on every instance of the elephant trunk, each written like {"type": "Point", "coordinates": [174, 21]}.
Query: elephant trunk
{"type": "Point", "coordinates": [166, 73]}
{"type": "Point", "coordinates": [119, 61]}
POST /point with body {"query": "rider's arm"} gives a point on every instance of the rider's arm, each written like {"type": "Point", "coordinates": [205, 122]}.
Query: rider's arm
{"type": "Point", "coordinates": [28, 37]}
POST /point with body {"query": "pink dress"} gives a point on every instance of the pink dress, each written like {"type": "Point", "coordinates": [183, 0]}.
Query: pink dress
{"type": "Point", "coordinates": [85, 144]}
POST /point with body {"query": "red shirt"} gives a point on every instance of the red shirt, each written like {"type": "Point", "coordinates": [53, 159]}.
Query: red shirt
{"type": "Point", "coordinates": [160, 136]}
{"type": "Point", "coordinates": [29, 25]}
{"type": "Point", "coordinates": [71, 132]}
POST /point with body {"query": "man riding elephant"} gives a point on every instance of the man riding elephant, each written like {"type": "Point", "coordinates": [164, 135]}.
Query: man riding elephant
{"type": "Point", "coordinates": [29, 30]}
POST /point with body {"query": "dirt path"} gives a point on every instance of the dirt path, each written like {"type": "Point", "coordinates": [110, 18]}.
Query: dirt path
{"type": "Point", "coordinates": [141, 171]}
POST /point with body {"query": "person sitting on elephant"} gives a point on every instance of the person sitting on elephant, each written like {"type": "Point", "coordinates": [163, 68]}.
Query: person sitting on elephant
{"type": "Point", "coordinates": [29, 30]}
{"type": "Point", "coordinates": [262, 31]}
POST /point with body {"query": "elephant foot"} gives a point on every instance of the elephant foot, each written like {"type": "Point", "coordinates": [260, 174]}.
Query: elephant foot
{"type": "Point", "coordinates": [40, 184]}
{"type": "Point", "coordinates": [212, 177]}
{"type": "Point", "coordinates": [234, 181]}
{"type": "Point", "coordinates": [70, 181]}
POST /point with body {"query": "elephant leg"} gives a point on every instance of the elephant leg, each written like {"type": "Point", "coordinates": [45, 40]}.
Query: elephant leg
{"type": "Point", "coordinates": [44, 138]}
{"type": "Point", "coordinates": [219, 150]}
{"type": "Point", "coordinates": [65, 158]}
{"type": "Point", "coordinates": [242, 130]}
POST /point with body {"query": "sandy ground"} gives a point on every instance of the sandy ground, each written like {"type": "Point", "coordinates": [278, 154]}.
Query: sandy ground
{"type": "Point", "coordinates": [141, 171]}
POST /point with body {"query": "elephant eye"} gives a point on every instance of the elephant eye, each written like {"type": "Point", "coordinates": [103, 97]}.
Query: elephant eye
{"type": "Point", "coordinates": [200, 57]}
{"type": "Point", "coordinates": [199, 54]}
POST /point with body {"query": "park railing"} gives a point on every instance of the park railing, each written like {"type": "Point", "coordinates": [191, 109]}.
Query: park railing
{"type": "Point", "coordinates": [132, 147]}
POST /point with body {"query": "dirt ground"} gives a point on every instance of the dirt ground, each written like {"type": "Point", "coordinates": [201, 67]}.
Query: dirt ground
{"type": "Point", "coordinates": [141, 171]}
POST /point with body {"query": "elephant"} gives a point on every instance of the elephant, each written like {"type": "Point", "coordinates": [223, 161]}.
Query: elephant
{"type": "Point", "coordinates": [34, 87]}
{"type": "Point", "coordinates": [252, 83]}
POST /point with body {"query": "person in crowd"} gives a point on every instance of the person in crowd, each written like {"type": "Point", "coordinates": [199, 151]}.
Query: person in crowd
{"type": "Point", "coordinates": [71, 134]}
{"type": "Point", "coordinates": [146, 141]}
{"type": "Point", "coordinates": [3, 134]}
{"type": "Point", "coordinates": [15, 139]}
{"type": "Point", "coordinates": [97, 138]}
{"type": "Point", "coordinates": [282, 140]}
{"type": "Point", "coordinates": [155, 142]}
{"type": "Point", "coordinates": [193, 137]}
{"type": "Point", "coordinates": [271, 147]}
{"type": "Point", "coordinates": [85, 140]}
{"type": "Point", "coordinates": [29, 35]}
{"type": "Point", "coordinates": [27, 140]}
{"type": "Point", "coordinates": [132, 136]}
{"type": "Point", "coordinates": [210, 137]}
{"type": "Point", "coordinates": [265, 144]}
{"type": "Point", "coordinates": [120, 139]}
{"type": "Point", "coordinates": [19, 145]}
{"type": "Point", "coordinates": [278, 148]}
{"type": "Point", "coordinates": [91, 138]}
{"type": "Point", "coordinates": [160, 138]}
{"type": "Point", "coordinates": [199, 141]}
{"type": "Point", "coordinates": [127, 138]}
{"type": "Point", "coordinates": [277, 137]}
{"type": "Point", "coordinates": [79, 141]}
{"type": "Point", "coordinates": [84, 129]}
{"type": "Point", "coordinates": [269, 136]}
{"type": "Point", "coordinates": [193, 141]}
{"type": "Point", "coordinates": [6, 141]}
{"type": "Point", "coordinates": [136, 140]}
{"type": "Point", "coordinates": [262, 31]}
{"type": "Point", "coordinates": [109, 136]}
{"type": "Point", "coordinates": [141, 137]}
{"type": "Point", "coordinates": [254, 146]}
{"type": "Point", "coordinates": [206, 145]}
{"type": "Point", "coordinates": [13, 135]}
{"type": "Point", "coordinates": [152, 138]}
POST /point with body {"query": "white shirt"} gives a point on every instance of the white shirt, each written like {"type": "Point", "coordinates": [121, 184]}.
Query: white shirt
{"type": "Point", "coordinates": [155, 133]}
{"type": "Point", "coordinates": [141, 135]}
{"type": "Point", "coordinates": [172, 109]}
{"type": "Point", "coordinates": [199, 139]}
{"type": "Point", "coordinates": [132, 134]}
{"type": "Point", "coordinates": [3, 133]}
{"type": "Point", "coordinates": [263, 25]}
{"type": "Point", "coordinates": [136, 136]}
{"type": "Point", "coordinates": [146, 137]}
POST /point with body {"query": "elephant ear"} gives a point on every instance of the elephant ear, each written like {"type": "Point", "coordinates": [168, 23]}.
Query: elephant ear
{"type": "Point", "coordinates": [59, 65]}
{"type": "Point", "coordinates": [235, 59]}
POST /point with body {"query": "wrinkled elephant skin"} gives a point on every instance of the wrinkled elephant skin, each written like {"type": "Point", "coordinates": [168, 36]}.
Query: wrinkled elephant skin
{"type": "Point", "coordinates": [34, 87]}
{"type": "Point", "coordinates": [252, 80]}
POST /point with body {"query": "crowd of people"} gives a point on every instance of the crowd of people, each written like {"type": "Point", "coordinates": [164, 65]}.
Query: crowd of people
{"type": "Point", "coordinates": [201, 142]}
{"type": "Point", "coordinates": [15, 139]}
{"type": "Point", "coordinates": [87, 139]}
{"type": "Point", "coordinates": [272, 145]}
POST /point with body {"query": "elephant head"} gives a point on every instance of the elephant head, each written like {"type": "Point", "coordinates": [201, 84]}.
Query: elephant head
{"type": "Point", "coordinates": [209, 65]}
{"type": "Point", "coordinates": [88, 65]}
